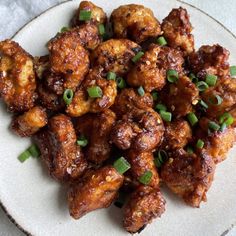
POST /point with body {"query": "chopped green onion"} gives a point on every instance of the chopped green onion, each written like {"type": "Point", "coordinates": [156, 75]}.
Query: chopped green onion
{"type": "Point", "coordinates": [85, 15]}
{"type": "Point", "coordinates": [137, 57]}
{"type": "Point", "coordinates": [94, 92]}
{"type": "Point", "coordinates": [232, 70]}
{"type": "Point", "coordinates": [161, 41]}
{"type": "Point", "coordinates": [141, 91]}
{"type": "Point", "coordinates": [64, 29]}
{"type": "Point", "coordinates": [211, 80]}
{"type": "Point", "coordinates": [160, 107]}
{"type": "Point", "coordinates": [120, 83]}
{"type": "Point", "coordinates": [202, 86]}
{"type": "Point", "coordinates": [189, 150]}
{"type": "Point", "coordinates": [192, 118]}
{"type": "Point", "coordinates": [172, 75]}
{"type": "Point", "coordinates": [161, 158]}
{"type": "Point", "coordinates": [216, 100]}
{"type": "Point", "coordinates": [166, 116]}
{"type": "Point", "coordinates": [203, 104]}
{"type": "Point", "coordinates": [34, 150]}
{"type": "Point", "coordinates": [223, 127]}
{"type": "Point", "coordinates": [111, 75]}
{"type": "Point", "coordinates": [146, 177]}
{"type": "Point", "coordinates": [226, 118]}
{"type": "Point", "coordinates": [68, 96]}
{"type": "Point", "coordinates": [82, 141]}
{"type": "Point", "coordinates": [200, 143]}
{"type": "Point", "coordinates": [213, 126]}
{"type": "Point", "coordinates": [121, 165]}
{"type": "Point", "coordinates": [24, 156]}
{"type": "Point", "coordinates": [154, 95]}
{"type": "Point", "coordinates": [101, 29]}
{"type": "Point", "coordinates": [193, 78]}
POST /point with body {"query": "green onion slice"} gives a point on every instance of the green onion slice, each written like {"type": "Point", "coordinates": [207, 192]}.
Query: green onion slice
{"type": "Point", "coordinates": [82, 141]}
{"type": "Point", "coordinates": [154, 95]}
{"type": "Point", "coordinates": [24, 156]}
{"type": "Point", "coordinates": [213, 126]}
{"type": "Point", "coordinates": [94, 92]}
{"type": "Point", "coordinates": [172, 75]}
{"type": "Point", "coordinates": [211, 80]}
{"type": "Point", "coordinates": [101, 29]}
{"type": "Point", "coordinates": [161, 158]}
{"type": "Point", "coordinates": [166, 116]}
{"type": "Point", "coordinates": [141, 91]}
{"type": "Point", "coordinates": [111, 75]}
{"type": "Point", "coordinates": [200, 143]}
{"type": "Point", "coordinates": [203, 104]}
{"type": "Point", "coordinates": [85, 15]}
{"type": "Point", "coordinates": [223, 127]}
{"type": "Point", "coordinates": [68, 96]}
{"type": "Point", "coordinates": [189, 150]}
{"type": "Point", "coordinates": [121, 165]}
{"type": "Point", "coordinates": [193, 78]}
{"type": "Point", "coordinates": [64, 29]}
{"type": "Point", "coordinates": [226, 118]}
{"type": "Point", "coordinates": [146, 177]}
{"type": "Point", "coordinates": [137, 57]}
{"type": "Point", "coordinates": [161, 41]}
{"type": "Point", "coordinates": [232, 70]}
{"type": "Point", "coordinates": [216, 100]}
{"type": "Point", "coordinates": [160, 107]}
{"type": "Point", "coordinates": [34, 151]}
{"type": "Point", "coordinates": [202, 86]}
{"type": "Point", "coordinates": [192, 118]}
{"type": "Point", "coordinates": [120, 83]}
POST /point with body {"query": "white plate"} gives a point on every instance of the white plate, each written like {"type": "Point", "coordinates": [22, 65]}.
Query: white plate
{"type": "Point", "coordinates": [38, 204]}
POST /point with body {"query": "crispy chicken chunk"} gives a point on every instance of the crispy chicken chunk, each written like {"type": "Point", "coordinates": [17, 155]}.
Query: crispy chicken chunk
{"type": "Point", "coordinates": [145, 204]}
{"type": "Point", "coordinates": [115, 55]}
{"type": "Point", "coordinates": [140, 130]}
{"type": "Point", "coordinates": [97, 189]}
{"type": "Point", "coordinates": [98, 16]}
{"type": "Point", "coordinates": [96, 128]}
{"type": "Point", "coordinates": [189, 175]}
{"type": "Point", "coordinates": [59, 151]}
{"type": "Point", "coordinates": [30, 122]}
{"type": "Point", "coordinates": [177, 30]}
{"type": "Point", "coordinates": [17, 78]}
{"type": "Point", "coordinates": [135, 22]}
{"type": "Point", "coordinates": [150, 70]}
{"type": "Point", "coordinates": [210, 60]}
{"type": "Point", "coordinates": [180, 96]}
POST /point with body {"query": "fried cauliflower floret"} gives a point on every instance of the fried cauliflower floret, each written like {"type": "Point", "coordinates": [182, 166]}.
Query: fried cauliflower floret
{"type": "Point", "coordinates": [145, 204]}
{"type": "Point", "coordinates": [97, 189]}
{"type": "Point", "coordinates": [96, 128]}
{"type": "Point", "coordinates": [69, 58]}
{"type": "Point", "coordinates": [129, 98]}
{"type": "Point", "coordinates": [115, 55]}
{"type": "Point", "coordinates": [135, 22]}
{"type": "Point", "coordinates": [140, 130]}
{"type": "Point", "coordinates": [30, 122]}
{"type": "Point", "coordinates": [177, 134]}
{"type": "Point", "coordinates": [98, 16]}
{"type": "Point", "coordinates": [57, 143]}
{"type": "Point", "coordinates": [180, 96]}
{"type": "Point", "coordinates": [210, 60]}
{"type": "Point", "coordinates": [189, 175]}
{"type": "Point", "coordinates": [41, 64]}
{"type": "Point", "coordinates": [177, 30]}
{"type": "Point", "coordinates": [142, 162]}
{"type": "Point", "coordinates": [150, 70]}
{"type": "Point", "coordinates": [17, 78]}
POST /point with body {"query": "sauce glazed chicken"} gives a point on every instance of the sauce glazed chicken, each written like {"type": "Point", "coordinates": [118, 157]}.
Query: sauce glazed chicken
{"type": "Point", "coordinates": [122, 105]}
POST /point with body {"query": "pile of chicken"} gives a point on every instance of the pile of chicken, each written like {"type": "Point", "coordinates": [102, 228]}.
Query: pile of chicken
{"type": "Point", "coordinates": [122, 121]}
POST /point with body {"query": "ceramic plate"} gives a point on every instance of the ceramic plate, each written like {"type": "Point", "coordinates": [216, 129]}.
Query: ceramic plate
{"type": "Point", "coordinates": [38, 204]}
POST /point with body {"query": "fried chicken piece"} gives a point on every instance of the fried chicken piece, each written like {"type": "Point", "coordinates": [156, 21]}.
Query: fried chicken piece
{"type": "Point", "coordinates": [98, 16]}
{"type": "Point", "coordinates": [115, 55]}
{"type": "Point", "coordinates": [30, 122]}
{"type": "Point", "coordinates": [135, 22]}
{"type": "Point", "coordinates": [97, 189]}
{"type": "Point", "coordinates": [140, 130]}
{"type": "Point", "coordinates": [57, 143]}
{"type": "Point", "coordinates": [210, 60]}
{"type": "Point", "coordinates": [17, 78]}
{"type": "Point", "coordinates": [142, 162]}
{"type": "Point", "coordinates": [129, 98]}
{"type": "Point", "coordinates": [69, 58]}
{"type": "Point", "coordinates": [145, 204]}
{"type": "Point", "coordinates": [41, 64]}
{"type": "Point", "coordinates": [180, 96]}
{"type": "Point", "coordinates": [177, 134]}
{"type": "Point", "coordinates": [177, 30]}
{"type": "Point", "coordinates": [96, 128]}
{"type": "Point", "coordinates": [189, 175]}
{"type": "Point", "coordinates": [150, 70]}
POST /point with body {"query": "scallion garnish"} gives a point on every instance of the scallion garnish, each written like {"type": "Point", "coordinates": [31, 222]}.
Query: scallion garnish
{"type": "Point", "coordinates": [34, 151]}
{"type": "Point", "coordinates": [192, 118]}
{"type": "Point", "coordinates": [94, 92]}
{"type": "Point", "coordinates": [111, 75]}
{"type": "Point", "coordinates": [213, 126]}
{"type": "Point", "coordinates": [146, 177]}
{"type": "Point", "coordinates": [232, 70]}
{"type": "Point", "coordinates": [68, 96]}
{"type": "Point", "coordinates": [226, 118]}
{"type": "Point", "coordinates": [202, 86]}
{"type": "Point", "coordinates": [85, 15]}
{"type": "Point", "coordinates": [223, 127]}
{"type": "Point", "coordinates": [193, 78]}
{"type": "Point", "coordinates": [160, 107]}
{"type": "Point", "coordinates": [161, 41]}
{"type": "Point", "coordinates": [161, 158]}
{"type": "Point", "coordinates": [141, 91]}
{"type": "Point", "coordinates": [137, 57]}
{"type": "Point", "coordinates": [216, 100]}
{"type": "Point", "coordinates": [200, 143]}
{"type": "Point", "coordinates": [64, 29]}
{"type": "Point", "coordinates": [172, 75]}
{"type": "Point", "coordinates": [101, 29]}
{"type": "Point", "coordinates": [166, 116]}
{"type": "Point", "coordinates": [121, 165]}
{"type": "Point", "coordinates": [120, 83]}
{"type": "Point", "coordinates": [24, 156]}
{"type": "Point", "coordinates": [82, 141]}
{"type": "Point", "coordinates": [189, 150]}
{"type": "Point", "coordinates": [211, 80]}
{"type": "Point", "coordinates": [203, 104]}
{"type": "Point", "coordinates": [154, 95]}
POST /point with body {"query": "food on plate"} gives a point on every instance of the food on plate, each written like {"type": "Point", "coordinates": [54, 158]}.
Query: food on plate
{"type": "Point", "coordinates": [122, 106]}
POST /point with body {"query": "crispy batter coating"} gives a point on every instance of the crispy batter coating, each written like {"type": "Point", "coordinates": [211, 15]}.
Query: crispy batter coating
{"type": "Point", "coordinates": [97, 189]}
{"type": "Point", "coordinates": [180, 96]}
{"type": "Point", "coordinates": [189, 175]}
{"type": "Point", "coordinates": [30, 122]}
{"type": "Point", "coordinates": [135, 22]}
{"type": "Point", "coordinates": [150, 70]}
{"type": "Point", "coordinates": [41, 64]}
{"type": "Point", "coordinates": [145, 204]}
{"type": "Point", "coordinates": [142, 162]}
{"type": "Point", "coordinates": [140, 130]}
{"type": "Point", "coordinates": [115, 55]}
{"type": "Point", "coordinates": [17, 78]}
{"type": "Point", "coordinates": [210, 60]}
{"type": "Point", "coordinates": [129, 98]}
{"type": "Point", "coordinates": [98, 16]}
{"type": "Point", "coordinates": [177, 134]}
{"type": "Point", "coordinates": [96, 128]}
{"type": "Point", "coordinates": [59, 151]}
{"type": "Point", "coordinates": [177, 30]}
{"type": "Point", "coordinates": [69, 58]}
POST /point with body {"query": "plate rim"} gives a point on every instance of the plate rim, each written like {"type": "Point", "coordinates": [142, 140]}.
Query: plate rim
{"type": "Point", "coordinates": [2, 206]}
